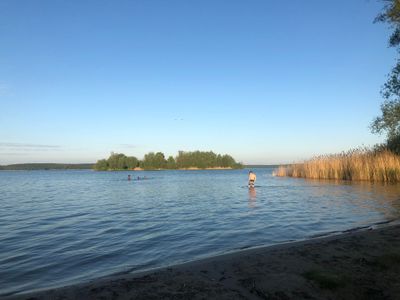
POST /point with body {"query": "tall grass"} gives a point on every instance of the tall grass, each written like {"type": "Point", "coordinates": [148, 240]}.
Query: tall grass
{"type": "Point", "coordinates": [357, 164]}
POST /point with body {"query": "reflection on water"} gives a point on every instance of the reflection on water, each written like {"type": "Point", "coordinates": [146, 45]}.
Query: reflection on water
{"type": "Point", "coordinates": [61, 227]}
{"type": "Point", "coordinates": [360, 195]}
{"type": "Point", "coordinates": [252, 196]}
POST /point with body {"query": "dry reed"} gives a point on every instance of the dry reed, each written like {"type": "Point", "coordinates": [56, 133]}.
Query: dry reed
{"type": "Point", "coordinates": [357, 164]}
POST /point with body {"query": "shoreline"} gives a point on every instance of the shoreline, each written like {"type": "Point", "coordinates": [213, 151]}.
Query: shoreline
{"type": "Point", "coordinates": [347, 265]}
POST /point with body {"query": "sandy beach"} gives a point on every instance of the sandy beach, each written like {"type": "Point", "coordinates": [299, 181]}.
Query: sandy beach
{"type": "Point", "coordinates": [362, 264]}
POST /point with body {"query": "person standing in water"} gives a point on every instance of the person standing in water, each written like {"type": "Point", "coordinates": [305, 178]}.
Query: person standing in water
{"type": "Point", "coordinates": [252, 179]}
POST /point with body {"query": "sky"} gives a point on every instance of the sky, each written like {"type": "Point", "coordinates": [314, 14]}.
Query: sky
{"type": "Point", "coordinates": [267, 82]}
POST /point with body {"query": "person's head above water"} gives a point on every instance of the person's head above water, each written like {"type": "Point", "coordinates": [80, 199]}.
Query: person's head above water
{"type": "Point", "coordinates": [250, 171]}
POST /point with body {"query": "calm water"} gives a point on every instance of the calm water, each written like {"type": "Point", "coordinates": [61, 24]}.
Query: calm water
{"type": "Point", "coordinates": [63, 227]}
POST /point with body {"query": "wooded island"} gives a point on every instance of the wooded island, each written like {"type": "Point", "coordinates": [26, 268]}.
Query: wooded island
{"type": "Point", "coordinates": [157, 161]}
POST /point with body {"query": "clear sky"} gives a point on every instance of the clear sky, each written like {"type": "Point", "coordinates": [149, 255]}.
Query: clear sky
{"type": "Point", "coordinates": [265, 81]}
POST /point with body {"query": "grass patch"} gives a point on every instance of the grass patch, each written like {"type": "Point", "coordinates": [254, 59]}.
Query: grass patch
{"type": "Point", "coordinates": [325, 280]}
{"type": "Point", "coordinates": [387, 261]}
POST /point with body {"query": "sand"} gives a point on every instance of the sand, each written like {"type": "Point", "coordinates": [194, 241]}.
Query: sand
{"type": "Point", "coordinates": [361, 264]}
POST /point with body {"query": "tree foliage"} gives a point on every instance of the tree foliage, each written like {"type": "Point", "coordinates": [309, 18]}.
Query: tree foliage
{"type": "Point", "coordinates": [391, 15]}
{"type": "Point", "coordinates": [389, 120]}
{"type": "Point", "coordinates": [202, 160]}
{"type": "Point", "coordinates": [171, 164]}
{"type": "Point", "coordinates": [117, 161]}
{"type": "Point", "coordinates": [154, 161]}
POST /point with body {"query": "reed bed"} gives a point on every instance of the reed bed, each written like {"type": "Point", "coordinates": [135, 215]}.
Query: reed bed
{"type": "Point", "coordinates": [357, 164]}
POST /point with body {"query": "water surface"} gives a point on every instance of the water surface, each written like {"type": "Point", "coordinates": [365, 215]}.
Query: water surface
{"type": "Point", "coordinates": [64, 227]}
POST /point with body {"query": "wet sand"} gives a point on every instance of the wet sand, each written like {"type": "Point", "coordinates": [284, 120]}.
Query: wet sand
{"type": "Point", "coordinates": [361, 264]}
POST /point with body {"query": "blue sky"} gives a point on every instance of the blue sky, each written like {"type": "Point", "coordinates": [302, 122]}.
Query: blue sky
{"type": "Point", "coordinates": [265, 81]}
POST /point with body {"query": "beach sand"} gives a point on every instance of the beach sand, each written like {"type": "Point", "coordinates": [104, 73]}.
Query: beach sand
{"type": "Point", "coordinates": [361, 264]}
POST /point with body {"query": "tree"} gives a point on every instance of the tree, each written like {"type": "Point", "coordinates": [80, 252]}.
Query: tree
{"type": "Point", "coordinates": [117, 161]}
{"type": "Point", "coordinates": [389, 121]}
{"type": "Point", "coordinates": [171, 164]}
{"type": "Point", "coordinates": [101, 165]}
{"type": "Point", "coordinates": [132, 162]}
{"type": "Point", "coordinates": [227, 161]}
{"type": "Point", "coordinates": [154, 161]}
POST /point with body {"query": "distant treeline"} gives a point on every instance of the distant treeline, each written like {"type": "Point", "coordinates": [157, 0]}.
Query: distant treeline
{"type": "Point", "coordinates": [47, 166]}
{"type": "Point", "coordinates": [155, 161]}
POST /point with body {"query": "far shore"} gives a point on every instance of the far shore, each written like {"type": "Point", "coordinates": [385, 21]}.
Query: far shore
{"type": "Point", "coordinates": [363, 264]}
{"type": "Point", "coordinates": [88, 166]}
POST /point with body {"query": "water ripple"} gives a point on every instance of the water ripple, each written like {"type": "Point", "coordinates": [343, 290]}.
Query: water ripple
{"type": "Point", "coordinates": [62, 227]}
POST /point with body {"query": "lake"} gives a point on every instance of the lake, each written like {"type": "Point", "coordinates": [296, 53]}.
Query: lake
{"type": "Point", "coordinates": [63, 227]}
